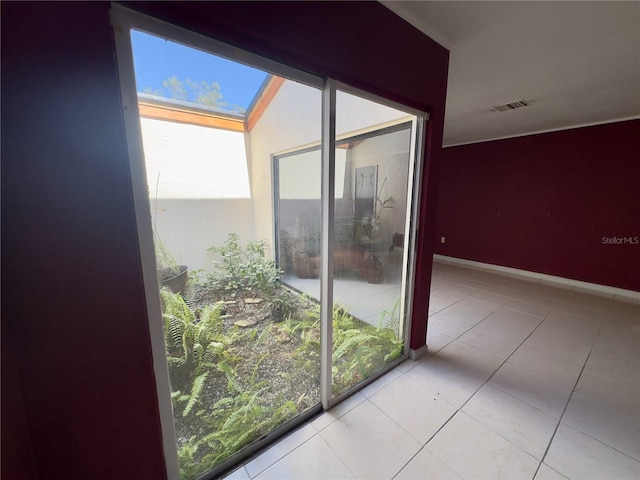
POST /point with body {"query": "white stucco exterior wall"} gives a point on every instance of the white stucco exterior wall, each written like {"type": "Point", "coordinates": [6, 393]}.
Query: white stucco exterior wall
{"type": "Point", "coordinates": [192, 161]}
{"type": "Point", "coordinates": [211, 182]}
{"type": "Point", "coordinates": [293, 122]}
{"type": "Point", "coordinates": [198, 179]}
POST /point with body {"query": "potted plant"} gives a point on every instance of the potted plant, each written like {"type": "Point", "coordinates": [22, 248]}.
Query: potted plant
{"type": "Point", "coordinates": [306, 257]}
{"type": "Point", "coordinates": [281, 308]}
{"type": "Point", "coordinates": [170, 274]}
{"type": "Point", "coordinates": [374, 271]}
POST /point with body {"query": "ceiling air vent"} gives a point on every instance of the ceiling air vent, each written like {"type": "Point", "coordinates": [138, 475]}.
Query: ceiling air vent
{"type": "Point", "coordinates": [510, 106]}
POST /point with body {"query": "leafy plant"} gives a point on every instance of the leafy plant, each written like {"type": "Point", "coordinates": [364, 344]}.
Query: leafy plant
{"type": "Point", "coordinates": [283, 304]}
{"type": "Point", "coordinates": [359, 349]}
{"type": "Point", "coordinates": [189, 468]}
{"type": "Point", "coordinates": [233, 422]}
{"type": "Point", "coordinates": [287, 247]}
{"type": "Point", "coordinates": [220, 397]}
{"type": "Point", "coordinates": [381, 204]}
{"type": "Point", "coordinates": [195, 276]}
{"type": "Point", "coordinates": [244, 269]}
{"type": "Point", "coordinates": [195, 346]}
{"type": "Point", "coordinates": [166, 263]}
{"type": "Point", "coordinates": [241, 418]}
{"type": "Point", "coordinates": [391, 319]}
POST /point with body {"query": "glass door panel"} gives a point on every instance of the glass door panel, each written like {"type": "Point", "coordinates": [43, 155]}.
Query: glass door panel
{"type": "Point", "coordinates": [370, 252]}
{"type": "Point", "coordinates": [298, 225]}
{"type": "Point", "coordinates": [242, 348]}
{"type": "Point", "coordinates": [242, 202]}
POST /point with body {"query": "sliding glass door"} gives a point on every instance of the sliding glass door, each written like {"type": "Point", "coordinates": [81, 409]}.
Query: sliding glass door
{"type": "Point", "coordinates": [371, 226]}
{"type": "Point", "coordinates": [372, 192]}
{"type": "Point", "coordinates": [241, 351]}
{"type": "Point", "coordinates": [275, 235]}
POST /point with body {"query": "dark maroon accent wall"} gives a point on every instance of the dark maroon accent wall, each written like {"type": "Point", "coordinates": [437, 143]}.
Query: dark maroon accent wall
{"type": "Point", "coordinates": [17, 452]}
{"type": "Point", "coordinates": [544, 202]}
{"type": "Point", "coordinates": [73, 307]}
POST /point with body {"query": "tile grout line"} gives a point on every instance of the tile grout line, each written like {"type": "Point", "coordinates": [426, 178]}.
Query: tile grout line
{"type": "Point", "coordinates": [403, 429]}
{"type": "Point", "coordinates": [459, 409]}
{"type": "Point", "coordinates": [308, 424]}
{"type": "Point", "coordinates": [334, 452]}
{"type": "Point", "coordinates": [318, 433]}
{"type": "Point", "coordinates": [566, 405]}
{"type": "Point", "coordinates": [564, 304]}
{"type": "Point", "coordinates": [552, 310]}
{"type": "Point", "coordinates": [485, 383]}
{"type": "Point", "coordinates": [504, 361]}
{"type": "Point", "coordinates": [269, 448]}
{"type": "Point", "coordinates": [472, 326]}
{"type": "Point", "coordinates": [475, 290]}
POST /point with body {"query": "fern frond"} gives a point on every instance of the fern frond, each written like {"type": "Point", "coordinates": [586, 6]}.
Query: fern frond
{"type": "Point", "coordinates": [232, 381]}
{"type": "Point", "coordinates": [353, 341]}
{"type": "Point", "coordinates": [255, 368]}
{"type": "Point", "coordinates": [196, 390]}
{"type": "Point", "coordinates": [266, 331]}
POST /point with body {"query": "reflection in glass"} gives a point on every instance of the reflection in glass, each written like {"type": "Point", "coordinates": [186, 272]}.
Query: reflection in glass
{"type": "Point", "coordinates": [369, 247]}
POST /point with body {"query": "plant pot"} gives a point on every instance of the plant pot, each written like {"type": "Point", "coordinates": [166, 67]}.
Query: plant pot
{"type": "Point", "coordinates": [175, 279]}
{"type": "Point", "coordinates": [277, 315]}
{"type": "Point", "coordinates": [374, 274]}
{"type": "Point", "coordinates": [306, 266]}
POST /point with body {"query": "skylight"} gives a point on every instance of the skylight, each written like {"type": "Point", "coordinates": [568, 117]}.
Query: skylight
{"type": "Point", "coordinates": [171, 70]}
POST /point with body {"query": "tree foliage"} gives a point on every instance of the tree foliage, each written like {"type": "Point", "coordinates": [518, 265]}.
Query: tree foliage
{"type": "Point", "coordinates": [203, 93]}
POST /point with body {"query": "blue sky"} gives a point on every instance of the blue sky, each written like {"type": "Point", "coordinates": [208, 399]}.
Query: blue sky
{"type": "Point", "coordinates": [156, 60]}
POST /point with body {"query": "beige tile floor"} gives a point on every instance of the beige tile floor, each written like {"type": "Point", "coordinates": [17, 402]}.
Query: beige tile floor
{"type": "Point", "coordinates": [522, 380]}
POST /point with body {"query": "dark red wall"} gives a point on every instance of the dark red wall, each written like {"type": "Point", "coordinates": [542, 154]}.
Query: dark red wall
{"type": "Point", "coordinates": [17, 452]}
{"type": "Point", "coordinates": [73, 310]}
{"type": "Point", "coordinates": [73, 307]}
{"type": "Point", "coordinates": [543, 203]}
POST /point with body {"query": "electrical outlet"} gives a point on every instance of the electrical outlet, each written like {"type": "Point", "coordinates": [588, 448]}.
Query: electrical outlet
{"type": "Point", "coordinates": [443, 239]}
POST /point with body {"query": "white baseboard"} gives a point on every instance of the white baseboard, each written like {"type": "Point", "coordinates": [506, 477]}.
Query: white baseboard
{"type": "Point", "coordinates": [419, 353]}
{"type": "Point", "coordinates": [560, 282]}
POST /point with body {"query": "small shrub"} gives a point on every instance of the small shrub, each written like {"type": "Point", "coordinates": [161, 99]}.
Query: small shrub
{"type": "Point", "coordinates": [244, 269]}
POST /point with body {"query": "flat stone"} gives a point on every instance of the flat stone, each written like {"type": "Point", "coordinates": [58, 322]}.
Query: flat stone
{"type": "Point", "coordinates": [253, 300]}
{"type": "Point", "coordinates": [244, 323]}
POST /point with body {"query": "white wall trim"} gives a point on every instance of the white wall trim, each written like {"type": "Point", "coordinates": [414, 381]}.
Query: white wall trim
{"type": "Point", "coordinates": [538, 132]}
{"type": "Point", "coordinates": [419, 353]}
{"type": "Point", "coordinates": [543, 278]}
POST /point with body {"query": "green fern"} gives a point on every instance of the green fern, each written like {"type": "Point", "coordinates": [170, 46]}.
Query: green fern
{"type": "Point", "coordinates": [257, 365]}
{"type": "Point", "coordinates": [196, 390]}
{"type": "Point", "coordinates": [266, 333]}
{"type": "Point", "coordinates": [391, 320]}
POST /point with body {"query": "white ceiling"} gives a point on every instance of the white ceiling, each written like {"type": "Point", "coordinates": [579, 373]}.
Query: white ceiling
{"type": "Point", "coordinates": [577, 63]}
